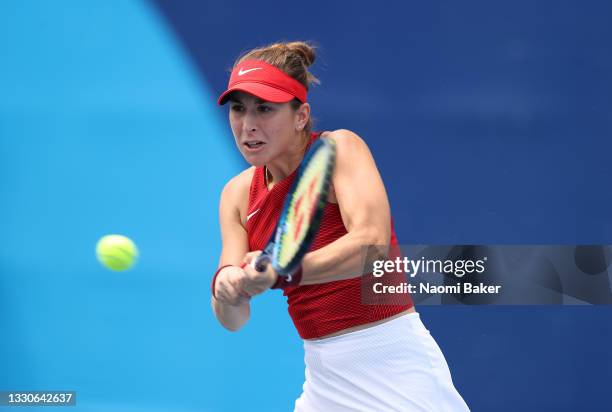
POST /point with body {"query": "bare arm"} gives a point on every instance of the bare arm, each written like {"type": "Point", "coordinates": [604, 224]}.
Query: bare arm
{"type": "Point", "coordinates": [365, 212]}
{"type": "Point", "coordinates": [230, 306]}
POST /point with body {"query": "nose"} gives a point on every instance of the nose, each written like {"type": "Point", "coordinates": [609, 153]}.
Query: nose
{"type": "Point", "coordinates": [249, 123]}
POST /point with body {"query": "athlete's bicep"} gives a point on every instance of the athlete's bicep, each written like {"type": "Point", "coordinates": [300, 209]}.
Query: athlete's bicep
{"type": "Point", "coordinates": [359, 189]}
{"type": "Point", "coordinates": [233, 234]}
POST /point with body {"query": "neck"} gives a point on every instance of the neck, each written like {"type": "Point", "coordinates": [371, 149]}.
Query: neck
{"type": "Point", "coordinates": [280, 168]}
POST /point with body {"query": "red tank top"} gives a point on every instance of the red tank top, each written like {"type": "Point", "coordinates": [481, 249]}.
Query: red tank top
{"type": "Point", "coordinates": [322, 309]}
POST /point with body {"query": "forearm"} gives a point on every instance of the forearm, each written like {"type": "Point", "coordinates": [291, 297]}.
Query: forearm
{"type": "Point", "coordinates": [342, 259]}
{"type": "Point", "coordinates": [231, 317]}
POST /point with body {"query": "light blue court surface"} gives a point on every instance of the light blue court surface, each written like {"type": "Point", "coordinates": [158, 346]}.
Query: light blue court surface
{"type": "Point", "coordinates": [106, 128]}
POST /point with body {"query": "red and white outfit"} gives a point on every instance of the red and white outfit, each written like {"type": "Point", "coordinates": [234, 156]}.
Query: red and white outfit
{"type": "Point", "coordinates": [393, 366]}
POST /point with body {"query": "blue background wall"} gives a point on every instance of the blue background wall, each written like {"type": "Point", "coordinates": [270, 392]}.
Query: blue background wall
{"type": "Point", "coordinates": [490, 123]}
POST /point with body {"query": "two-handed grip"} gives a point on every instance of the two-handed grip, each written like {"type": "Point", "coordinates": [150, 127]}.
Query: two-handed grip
{"type": "Point", "coordinates": [261, 262]}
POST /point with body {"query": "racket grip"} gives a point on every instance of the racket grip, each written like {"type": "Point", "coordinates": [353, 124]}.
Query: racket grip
{"type": "Point", "coordinates": [261, 263]}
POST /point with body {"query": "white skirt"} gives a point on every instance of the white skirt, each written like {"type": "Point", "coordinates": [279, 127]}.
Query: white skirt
{"type": "Point", "coordinates": [394, 366]}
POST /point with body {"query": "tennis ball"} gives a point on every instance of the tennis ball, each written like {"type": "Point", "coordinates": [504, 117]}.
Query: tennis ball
{"type": "Point", "coordinates": [116, 252]}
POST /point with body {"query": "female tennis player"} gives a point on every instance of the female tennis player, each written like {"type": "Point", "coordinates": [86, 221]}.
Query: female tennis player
{"type": "Point", "coordinates": [359, 357]}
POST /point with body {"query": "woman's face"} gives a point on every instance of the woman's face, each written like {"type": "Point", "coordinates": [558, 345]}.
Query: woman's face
{"type": "Point", "coordinates": [263, 131]}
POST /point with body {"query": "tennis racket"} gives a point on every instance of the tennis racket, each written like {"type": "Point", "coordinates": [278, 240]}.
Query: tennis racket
{"type": "Point", "coordinates": [302, 211]}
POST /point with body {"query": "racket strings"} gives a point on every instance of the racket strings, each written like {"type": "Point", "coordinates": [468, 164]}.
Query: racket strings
{"type": "Point", "coordinates": [307, 199]}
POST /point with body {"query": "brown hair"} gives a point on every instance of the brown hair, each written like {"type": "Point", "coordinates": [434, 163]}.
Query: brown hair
{"type": "Point", "coordinates": [293, 58]}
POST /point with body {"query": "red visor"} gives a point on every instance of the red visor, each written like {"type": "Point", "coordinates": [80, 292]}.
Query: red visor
{"type": "Point", "coordinates": [264, 81]}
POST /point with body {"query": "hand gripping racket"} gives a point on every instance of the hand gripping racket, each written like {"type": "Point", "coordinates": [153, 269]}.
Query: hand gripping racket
{"type": "Point", "coordinates": [302, 211]}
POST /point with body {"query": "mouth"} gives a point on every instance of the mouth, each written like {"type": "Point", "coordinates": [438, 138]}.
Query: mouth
{"type": "Point", "coordinates": [253, 145]}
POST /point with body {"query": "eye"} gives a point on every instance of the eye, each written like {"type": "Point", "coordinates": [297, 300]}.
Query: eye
{"type": "Point", "coordinates": [237, 107]}
{"type": "Point", "coordinates": [264, 108]}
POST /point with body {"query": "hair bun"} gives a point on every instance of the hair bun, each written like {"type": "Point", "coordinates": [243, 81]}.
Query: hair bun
{"type": "Point", "coordinates": [292, 57]}
{"type": "Point", "coordinates": [305, 50]}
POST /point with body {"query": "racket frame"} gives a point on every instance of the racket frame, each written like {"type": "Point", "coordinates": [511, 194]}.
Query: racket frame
{"type": "Point", "coordinates": [272, 250]}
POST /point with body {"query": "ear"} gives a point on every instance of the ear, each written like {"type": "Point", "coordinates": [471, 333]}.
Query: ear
{"type": "Point", "coordinates": [302, 114]}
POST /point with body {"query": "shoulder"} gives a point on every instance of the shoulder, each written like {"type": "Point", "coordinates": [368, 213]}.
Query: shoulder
{"type": "Point", "coordinates": [345, 139]}
{"type": "Point", "coordinates": [349, 146]}
{"type": "Point", "coordinates": [238, 186]}
{"type": "Point", "coordinates": [235, 196]}
{"type": "Point", "coordinates": [341, 134]}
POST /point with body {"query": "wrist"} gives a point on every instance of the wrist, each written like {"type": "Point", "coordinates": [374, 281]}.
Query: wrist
{"type": "Point", "coordinates": [214, 280]}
